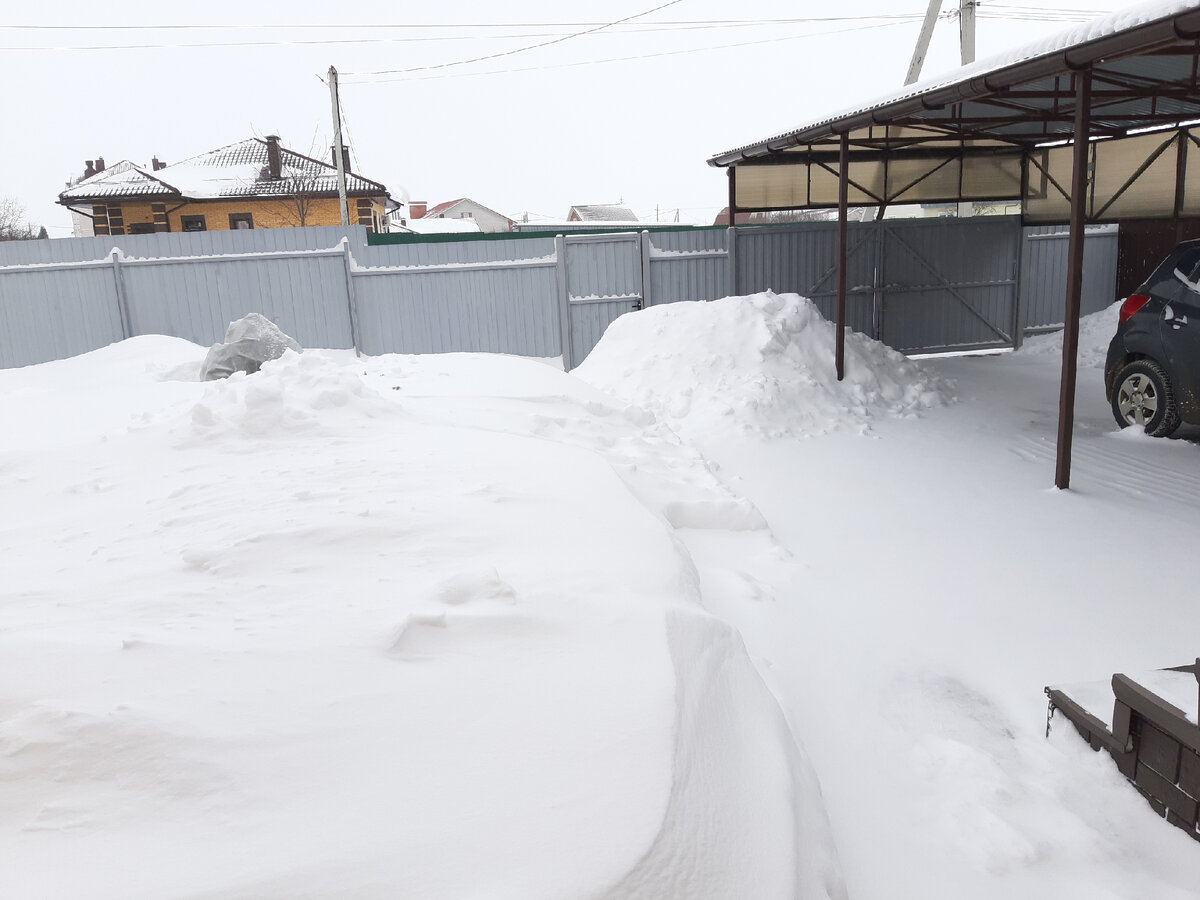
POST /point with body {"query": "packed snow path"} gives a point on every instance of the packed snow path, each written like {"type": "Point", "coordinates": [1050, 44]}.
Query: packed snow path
{"type": "Point", "coordinates": [922, 581]}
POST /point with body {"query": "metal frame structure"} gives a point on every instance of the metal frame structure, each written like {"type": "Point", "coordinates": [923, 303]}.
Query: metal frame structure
{"type": "Point", "coordinates": [1078, 128]}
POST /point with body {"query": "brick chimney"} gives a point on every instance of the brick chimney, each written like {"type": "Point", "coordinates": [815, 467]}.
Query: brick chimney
{"type": "Point", "coordinates": [89, 168]}
{"type": "Point", "coordinates": [99, 164]}
{"type": "Point", "coordinates": [345, 157]}
{"type": "Point", "coordinates": [417, 208]}
{"type": "Point", "coordinates": [274, 157]}
{"type": "Point", "coordinates": [157, 164]}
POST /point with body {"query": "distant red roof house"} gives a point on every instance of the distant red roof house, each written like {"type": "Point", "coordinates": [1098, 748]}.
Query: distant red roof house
{"type": "Point", "coordinates": [488, 220]}
{"type": "Point", "coordinates": [723, 218]}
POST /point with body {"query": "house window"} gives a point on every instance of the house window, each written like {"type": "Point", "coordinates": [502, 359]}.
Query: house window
{"type": "Point", "coordinates": [240, 221]}
{"type": "Point", "coordinates": [466, 215]}
{"type": "Point", "coordinates": [141, 228]}
{"type": "Point", "coordinates": [193, 223]}
{"type": "Point", "coordinates": [116, 221]}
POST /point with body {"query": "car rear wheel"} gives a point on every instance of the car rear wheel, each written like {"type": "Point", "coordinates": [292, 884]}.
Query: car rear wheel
{"type": "Point", "coordinates": [1142, 396]}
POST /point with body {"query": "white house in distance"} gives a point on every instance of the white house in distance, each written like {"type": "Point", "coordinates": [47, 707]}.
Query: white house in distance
{"type": "Point", "coordinates": [488, 220]}
{"type": "Point", "coordinates": [603, 214]}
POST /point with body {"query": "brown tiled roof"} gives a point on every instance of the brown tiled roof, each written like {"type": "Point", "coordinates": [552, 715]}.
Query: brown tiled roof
{"type": "Point", "coordinates": [237, 170]}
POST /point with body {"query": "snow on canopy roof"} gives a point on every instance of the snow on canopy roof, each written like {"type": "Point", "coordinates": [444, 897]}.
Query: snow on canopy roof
{"type": "Point", "coordinates": [237, 170]}
{"type": "Point", "coordinates": [975, 74]}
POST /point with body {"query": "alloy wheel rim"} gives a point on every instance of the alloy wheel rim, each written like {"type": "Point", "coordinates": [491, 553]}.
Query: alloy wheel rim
{"type": "Point", "coordinates": [1137, 400]}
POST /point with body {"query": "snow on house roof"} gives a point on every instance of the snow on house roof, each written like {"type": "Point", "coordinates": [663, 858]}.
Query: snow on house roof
{"type": "Point", "coordinates": [442, 208]}
{"type": "Point", "coordinates": [603, 212]}
{"type": "Point", "coordinates": [427, 225]}
{"type": "Point", "coordinates": [123, 179]}
{"type": "Point", "coordinates": [237, 170]}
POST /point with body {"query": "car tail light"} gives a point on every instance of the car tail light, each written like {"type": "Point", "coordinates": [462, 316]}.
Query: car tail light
{"type": "Point", "coordinates": [1132, 304]}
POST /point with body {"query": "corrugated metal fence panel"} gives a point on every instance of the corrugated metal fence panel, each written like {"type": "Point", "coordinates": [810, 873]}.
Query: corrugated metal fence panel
{"type": "Point", "coordinates": [304, 295]}
{"type": "Point", "coordinates": [802, 259]}
{"type": "Point", "coordinates": [590, 319]}
{"type": "Point", "coordinates": [1044, 273]}
{"type": "Point", "coordinates": [500, 310]}
{"type": "Point", "coordinates": [949, 282]}
{"type": "Point", "coordinates": [47, 315]}
{"type": "Point", "coordinates": [689, 266]}
{"type": "Point", "coordinates": [173, 244]}
{"type": "Point", "coordinates": [608, 265]}
{"type": "Point", "coordinates": [494, 308]}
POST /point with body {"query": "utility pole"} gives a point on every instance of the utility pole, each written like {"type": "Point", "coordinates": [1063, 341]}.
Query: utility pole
{"type": "Point", "coordinates": [918, 57]}
{"type": "Point", "coordinates": [337, 147]}
{"type": "Point", "coordinates": [966, 30]}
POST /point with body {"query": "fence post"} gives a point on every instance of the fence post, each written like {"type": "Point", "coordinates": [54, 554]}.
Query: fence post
{"type": "Point", "coordinates": [645, 246]}
{"type": "Point", "coordinates": [351, 297]}
{"type": "Point", "coordinates": [879, 286]}
{"type": "Point", "coordinates": [564, 300]}
{"type": "Point", "coordinates": [731, 257]}
{"type": "Point", "coordinates": [1019, 300]}
{"type": "Point", "coordinates": [122, 299]}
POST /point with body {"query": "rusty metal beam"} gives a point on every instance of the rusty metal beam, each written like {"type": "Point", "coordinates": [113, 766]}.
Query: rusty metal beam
{"type": "Point", "coordinates": [843, 197]}
{"type": "Point", "coordinates": [1070, 353]}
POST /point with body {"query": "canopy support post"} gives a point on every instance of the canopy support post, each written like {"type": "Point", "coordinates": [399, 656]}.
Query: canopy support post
{"type": "Point", "coordinates": [1079, 182]}
{"type": "Point", "coordinates": [843, 181]}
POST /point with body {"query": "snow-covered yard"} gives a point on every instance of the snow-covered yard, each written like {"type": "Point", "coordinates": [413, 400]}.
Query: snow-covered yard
{"type": "Point", "coordinates": [693, 621]}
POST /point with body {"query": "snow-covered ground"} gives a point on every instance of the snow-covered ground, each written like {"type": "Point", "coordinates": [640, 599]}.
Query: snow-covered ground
{"type": "Point", "coordinates": [694, 621]}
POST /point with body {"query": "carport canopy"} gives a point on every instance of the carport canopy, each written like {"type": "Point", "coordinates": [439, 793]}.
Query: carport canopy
{"type": "Point", "coordinates": [1006, 128]}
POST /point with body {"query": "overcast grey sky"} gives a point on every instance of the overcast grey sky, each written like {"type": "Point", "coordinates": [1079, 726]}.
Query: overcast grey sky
{"type": "Point", "coordinates": [628, 112]}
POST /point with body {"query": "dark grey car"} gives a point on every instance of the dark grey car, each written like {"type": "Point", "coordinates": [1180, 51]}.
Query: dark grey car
{"type": "Point", "coordinates": [1152, 374]}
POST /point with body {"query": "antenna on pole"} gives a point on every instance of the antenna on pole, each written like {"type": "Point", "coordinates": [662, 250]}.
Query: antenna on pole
{"type": "Point", "coordinates": [338, 158]}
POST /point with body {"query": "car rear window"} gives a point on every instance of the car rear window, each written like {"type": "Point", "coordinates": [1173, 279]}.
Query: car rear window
{"type": "Point", "coordinates": [1163, 282]}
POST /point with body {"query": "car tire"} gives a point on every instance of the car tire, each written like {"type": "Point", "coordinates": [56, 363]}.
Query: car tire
{"type": "Point", "coordinates": [1142, 396]}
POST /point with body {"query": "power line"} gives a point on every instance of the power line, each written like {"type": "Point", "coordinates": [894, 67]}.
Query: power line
{"type": "Point", "coordinates": [592, 62]}
{"type": "Point", "coordinates": [627, 29]}
{"type": "Point", "coordinates": [623, 23]}
{"type": "Point", "coordinates": [622, 27]}
{"type": "Point", "coordinates": [559, 40]}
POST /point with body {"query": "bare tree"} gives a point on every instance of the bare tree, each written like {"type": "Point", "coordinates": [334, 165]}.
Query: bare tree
{"type": "Point", "coordinates": [13, 224]}
{"type": "Point", "coordinates": [299, 198]}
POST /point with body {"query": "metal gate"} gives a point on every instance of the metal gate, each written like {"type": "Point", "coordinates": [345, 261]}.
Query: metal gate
{"type": "Point", "coordinates": [601, 277]}
{"type": "Point", "coordinates": [918, 285]}
{"type": "Point", "coordinates": [946, 288]}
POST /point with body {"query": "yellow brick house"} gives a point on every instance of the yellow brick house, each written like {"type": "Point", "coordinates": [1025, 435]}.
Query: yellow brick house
{"type": "Point", "coordinates": [255, 183]}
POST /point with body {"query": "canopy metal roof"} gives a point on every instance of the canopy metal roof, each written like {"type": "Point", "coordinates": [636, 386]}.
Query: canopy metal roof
{"type": "Point", "coordinates": [999, 129]}
{"type": "Point", "coordinates": [1091, 125]}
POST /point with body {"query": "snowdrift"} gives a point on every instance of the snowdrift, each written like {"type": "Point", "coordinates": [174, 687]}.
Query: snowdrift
{"type": "Point", "coordinates": [1095, 333]}
{"type": "Point", "coordinates": [374, 628]}
{"type": "Point", "coordinates": [761, 364]}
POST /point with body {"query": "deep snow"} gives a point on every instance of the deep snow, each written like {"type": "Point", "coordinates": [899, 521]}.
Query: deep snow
{"type": "Point", "coordinates": [465, 625]}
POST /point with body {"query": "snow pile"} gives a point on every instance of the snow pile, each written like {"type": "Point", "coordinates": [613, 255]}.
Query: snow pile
{"type": "Point", "coordinates": [295, 393]}
{"type": "Point", "coordinates": [761, 364]}
{"type": "Point", "coordinates": [1095, 333]}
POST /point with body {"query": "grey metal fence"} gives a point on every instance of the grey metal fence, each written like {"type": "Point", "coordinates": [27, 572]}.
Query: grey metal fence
{"type": "Point", "coordinates": [1044, 274]}
{"type": "Point", "coordinates": [918, 285]}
